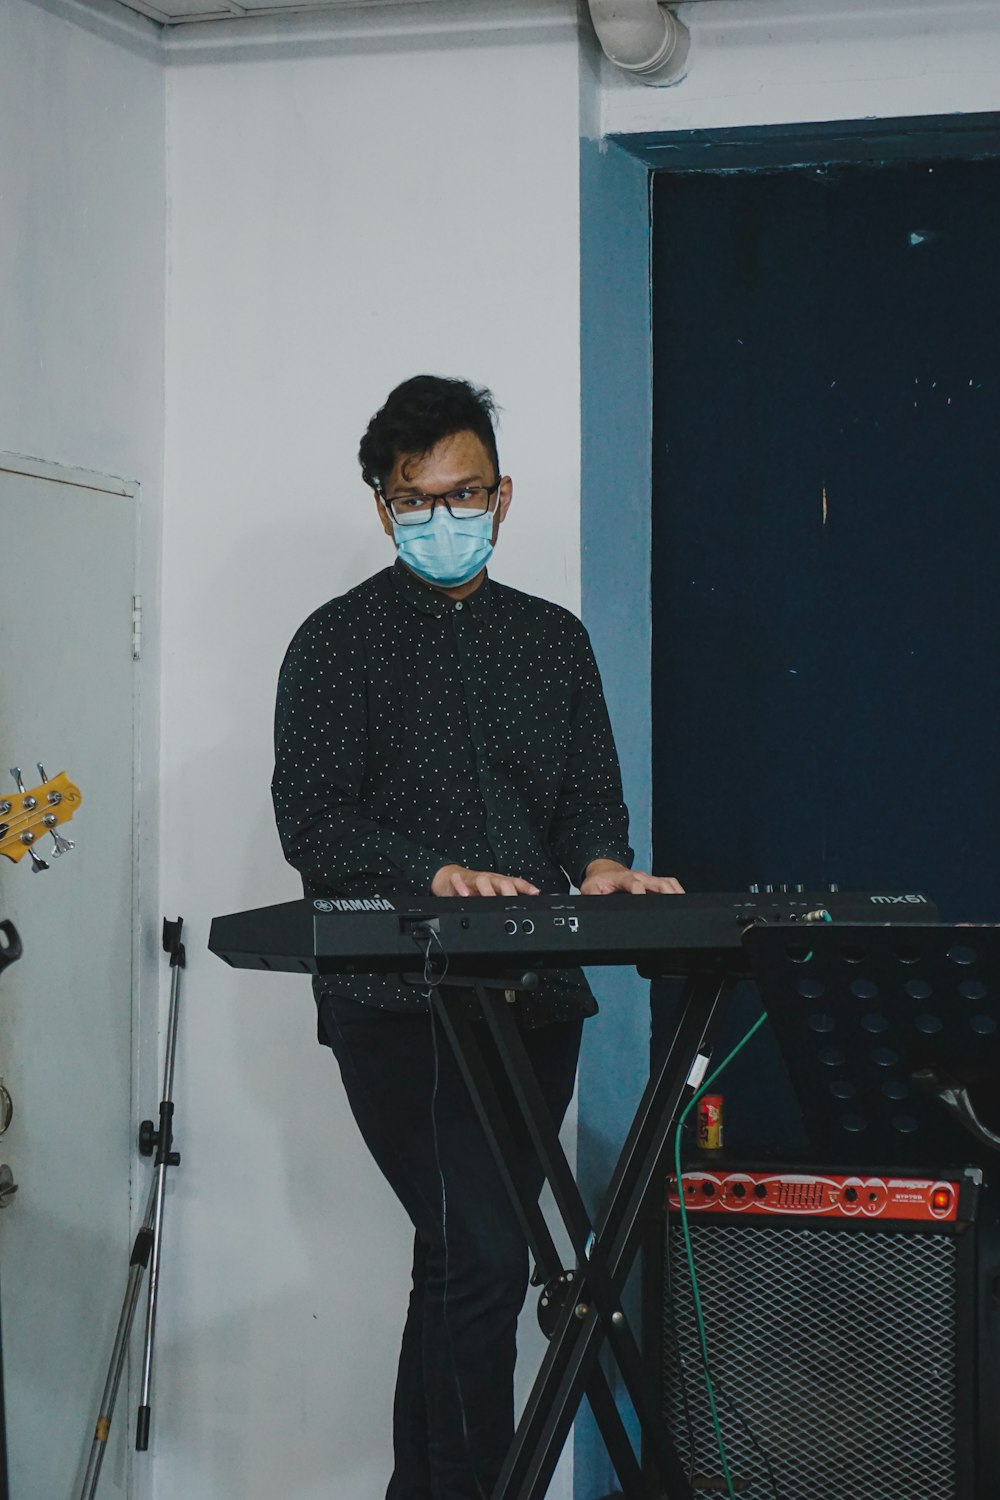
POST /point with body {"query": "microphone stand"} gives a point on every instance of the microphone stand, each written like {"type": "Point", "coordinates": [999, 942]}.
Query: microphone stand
{"type": "Point", "coordinates": [146, 1248]}
{"type": "Point", "coordinates": [10, 952]}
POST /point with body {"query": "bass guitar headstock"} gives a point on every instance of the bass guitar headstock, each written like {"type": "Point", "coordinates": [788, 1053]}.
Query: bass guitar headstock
{"type": "Point", "coordinates": [27, 816]}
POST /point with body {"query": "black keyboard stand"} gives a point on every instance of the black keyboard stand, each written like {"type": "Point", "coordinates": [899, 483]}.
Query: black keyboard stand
{"type": "Point", "coordinates": [588, 1300]}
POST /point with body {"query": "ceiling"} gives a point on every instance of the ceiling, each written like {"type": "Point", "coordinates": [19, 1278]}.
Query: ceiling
{"type": "Point", "coordinates": [180, 12]}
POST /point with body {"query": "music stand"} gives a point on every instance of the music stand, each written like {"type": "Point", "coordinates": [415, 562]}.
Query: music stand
{"type": "Point", "coordinates": [884, 1030]}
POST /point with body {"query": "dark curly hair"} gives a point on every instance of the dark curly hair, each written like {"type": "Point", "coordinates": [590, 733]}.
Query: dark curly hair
{"type": "Point", "coordinates": [415, 418]}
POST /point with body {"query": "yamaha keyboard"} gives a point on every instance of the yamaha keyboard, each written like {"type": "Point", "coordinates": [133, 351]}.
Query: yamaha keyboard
{"type": "Point", "coordinates": [498, 934]}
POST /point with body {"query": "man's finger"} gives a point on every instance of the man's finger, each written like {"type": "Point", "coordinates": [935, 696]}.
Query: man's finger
{"type": "Point", "coordinates": [459, 886]}
{"type": "Point", "coordinates": [666, 885]}
{"type": "Point", "coordinates": [525, 887]}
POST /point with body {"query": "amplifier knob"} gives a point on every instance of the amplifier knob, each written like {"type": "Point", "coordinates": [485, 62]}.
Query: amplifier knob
{"type": "Point", "coordinates": [760, 1191]}
{"type": "Point", "coordinates": [851, 1194]}
{"type": "Point", "coordinates": [510, 927]}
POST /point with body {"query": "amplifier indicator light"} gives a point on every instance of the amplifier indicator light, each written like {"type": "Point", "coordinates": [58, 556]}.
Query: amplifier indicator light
{"type": "Point", "coordinates": [941, 1200]}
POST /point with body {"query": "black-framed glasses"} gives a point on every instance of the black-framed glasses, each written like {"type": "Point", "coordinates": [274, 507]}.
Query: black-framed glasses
{"type": "Point", "coordinates": [416, 510]}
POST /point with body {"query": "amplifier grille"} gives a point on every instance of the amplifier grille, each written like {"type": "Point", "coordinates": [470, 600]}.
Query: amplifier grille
{"type": "Point", "coordinates": [834, 1357]}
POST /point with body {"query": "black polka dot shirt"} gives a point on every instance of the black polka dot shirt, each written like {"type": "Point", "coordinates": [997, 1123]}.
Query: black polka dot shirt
{"type": "Point", "coordinates": [414, 731]}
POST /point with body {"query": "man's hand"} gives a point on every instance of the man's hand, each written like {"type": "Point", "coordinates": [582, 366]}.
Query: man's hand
{"type": "Point", "coordinates": [456, 880]}
{"type": "Point", "coordinates": [607, 875]}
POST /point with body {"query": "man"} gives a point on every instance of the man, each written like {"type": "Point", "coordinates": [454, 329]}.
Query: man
{"type": "Point", "coordinates": [439, 732]}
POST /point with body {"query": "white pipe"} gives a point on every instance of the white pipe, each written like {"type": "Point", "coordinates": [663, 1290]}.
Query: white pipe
{"type": "Point", "coordinates": [643, 37]}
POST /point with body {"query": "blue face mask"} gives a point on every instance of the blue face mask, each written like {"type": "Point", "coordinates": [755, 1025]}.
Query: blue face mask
{"type": "Point", "coordinates": [444, 550]}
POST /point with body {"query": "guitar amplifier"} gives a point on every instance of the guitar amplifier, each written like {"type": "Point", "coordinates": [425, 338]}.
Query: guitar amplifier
{"type": "Point", "coordinates": [851, 1322]}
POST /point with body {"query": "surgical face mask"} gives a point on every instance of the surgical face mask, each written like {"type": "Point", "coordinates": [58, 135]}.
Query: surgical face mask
{"type": "Point", "coordinates": [446, 550]}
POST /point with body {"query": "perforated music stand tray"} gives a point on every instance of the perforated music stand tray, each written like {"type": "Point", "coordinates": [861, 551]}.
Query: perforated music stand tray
{"type": "Point", "coordinates": [884, 1030]}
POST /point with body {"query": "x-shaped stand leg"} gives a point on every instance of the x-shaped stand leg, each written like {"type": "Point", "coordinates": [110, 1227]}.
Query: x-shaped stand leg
{"type": "Point", "coordinates": [493, 1118]}
{"type": "Point", "coordinates": [604, 1254]}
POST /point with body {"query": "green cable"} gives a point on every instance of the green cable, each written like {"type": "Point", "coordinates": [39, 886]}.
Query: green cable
{"type": "Point", "coordinates": [687, 1243]}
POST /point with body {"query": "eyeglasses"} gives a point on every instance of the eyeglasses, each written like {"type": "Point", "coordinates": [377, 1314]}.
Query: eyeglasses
{"type": "Point", "coordinates": [416, 510]}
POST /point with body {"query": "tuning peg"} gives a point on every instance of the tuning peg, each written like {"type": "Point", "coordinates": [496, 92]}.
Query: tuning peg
{"type": "Point", "coordinates": [62, 846]}
{"type": "Point", "coordinates": [52, 798]}
{"type": "Point", "coordinates": [15, 771]}
{"type": "Point", "coordinates": [37, 864]}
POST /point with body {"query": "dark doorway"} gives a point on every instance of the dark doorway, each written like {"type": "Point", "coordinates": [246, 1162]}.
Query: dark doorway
{"type": "Point", "coordinates": [826, 527]}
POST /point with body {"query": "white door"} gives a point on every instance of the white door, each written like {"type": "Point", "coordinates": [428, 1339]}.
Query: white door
{"type": "Point", "coordinates": [66, 699]}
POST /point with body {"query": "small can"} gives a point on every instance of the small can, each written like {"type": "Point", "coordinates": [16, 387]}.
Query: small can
{"type": "Point", "coordinates": [710, 1122]}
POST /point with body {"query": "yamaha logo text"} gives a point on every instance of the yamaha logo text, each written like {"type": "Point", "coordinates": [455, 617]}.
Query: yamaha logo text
{"type": "Point", "coordinates": [373, 903]}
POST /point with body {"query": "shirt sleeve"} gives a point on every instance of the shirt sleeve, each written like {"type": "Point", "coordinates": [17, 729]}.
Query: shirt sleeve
{"type": "Point", "coordinates": [321, 737]}
{"type": "Point", "coordinates": [591, 819]}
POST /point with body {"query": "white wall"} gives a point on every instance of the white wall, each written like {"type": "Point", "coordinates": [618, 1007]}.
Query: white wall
{"type": "Point", "coordinates": [336, 223]}
{"type": "Point", "coordinates": [82, 227]}
{"type": "Point", "coordinates": [782, 61]}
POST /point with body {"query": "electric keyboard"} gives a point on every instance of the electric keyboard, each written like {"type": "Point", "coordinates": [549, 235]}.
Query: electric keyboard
{"type": "Point", "coordinates": [497, 934]}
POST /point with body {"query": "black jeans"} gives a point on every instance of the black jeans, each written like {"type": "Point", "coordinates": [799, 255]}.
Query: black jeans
{"type": "Point", "coordinates": [453, 1414]}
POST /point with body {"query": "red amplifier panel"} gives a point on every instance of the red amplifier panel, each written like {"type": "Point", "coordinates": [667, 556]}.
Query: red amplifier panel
{"type": "Point", "coordinates": [926, 1199]}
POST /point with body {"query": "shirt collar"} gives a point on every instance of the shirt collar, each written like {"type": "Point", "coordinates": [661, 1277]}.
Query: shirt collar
{"type": "Point", "coordinates": [431, 601]}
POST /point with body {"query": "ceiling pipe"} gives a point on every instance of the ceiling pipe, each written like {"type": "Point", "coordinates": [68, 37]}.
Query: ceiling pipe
{"type": "Point", "coordinates": [643, 38]}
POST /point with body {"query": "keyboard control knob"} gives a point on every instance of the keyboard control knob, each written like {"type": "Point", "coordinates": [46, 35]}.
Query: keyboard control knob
{"type": "Point", "coordinates": [510, 926]}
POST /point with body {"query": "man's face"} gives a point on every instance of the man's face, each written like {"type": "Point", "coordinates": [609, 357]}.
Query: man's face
{"type": "Point", "coordinates": [455, 462]}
